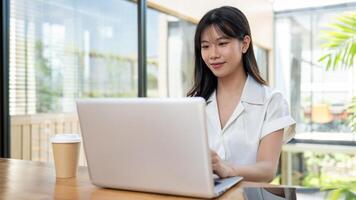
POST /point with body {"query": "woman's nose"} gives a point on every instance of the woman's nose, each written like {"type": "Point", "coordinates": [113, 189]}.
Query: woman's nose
{"type": "Point", "coordinates": [214, 52]}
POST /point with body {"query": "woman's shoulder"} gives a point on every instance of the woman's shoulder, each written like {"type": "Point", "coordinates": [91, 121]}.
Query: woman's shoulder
{"type": "Point", "coordinates": [259, 94]}
{"type": "Point", "coordinates": [272, 94]}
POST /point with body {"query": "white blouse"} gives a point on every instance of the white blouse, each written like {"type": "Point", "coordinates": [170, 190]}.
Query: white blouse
{"type": "Point", "coordinates": [261, 111]}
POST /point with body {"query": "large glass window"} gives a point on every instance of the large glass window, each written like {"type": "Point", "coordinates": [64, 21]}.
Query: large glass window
{"type": "Point", "coordinates": [61, 51]}
{"type": "Point", "coordinates": [319, 98]}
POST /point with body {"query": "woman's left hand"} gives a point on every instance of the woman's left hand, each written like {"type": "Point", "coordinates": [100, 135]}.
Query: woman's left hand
{"type": "Point", "coordinates": [220, 167]}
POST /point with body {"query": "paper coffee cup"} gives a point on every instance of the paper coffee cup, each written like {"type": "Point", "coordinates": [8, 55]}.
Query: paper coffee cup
{"type": "Point", "coordinates": [66, 154]}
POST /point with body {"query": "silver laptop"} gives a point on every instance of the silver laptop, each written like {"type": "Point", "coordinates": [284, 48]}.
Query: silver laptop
{"type": "Point", "coordinates": [150, 145]}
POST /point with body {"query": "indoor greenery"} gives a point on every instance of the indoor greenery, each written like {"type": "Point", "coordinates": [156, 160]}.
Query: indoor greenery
{"type": "Point", "coordinates": [339, 42]}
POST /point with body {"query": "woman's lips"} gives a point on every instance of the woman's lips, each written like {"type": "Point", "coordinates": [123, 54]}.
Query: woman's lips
{"type": "Point", "coordinates": [217, 65]}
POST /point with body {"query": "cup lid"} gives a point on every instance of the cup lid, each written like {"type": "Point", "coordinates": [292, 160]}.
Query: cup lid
{"type": "Point", "coordinates": [66, 138]}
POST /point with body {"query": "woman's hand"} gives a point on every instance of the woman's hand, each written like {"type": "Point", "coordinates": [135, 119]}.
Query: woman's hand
{"type": "Point", "coordinates": [220, 167]}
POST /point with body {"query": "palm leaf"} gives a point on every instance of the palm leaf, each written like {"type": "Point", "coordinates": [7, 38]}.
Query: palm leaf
{"type": "Point", "coordinates": [343, 27]}
{"type": "Point", "coordinates": [340, 50]}
{"type": "Point", "coordinates": [340, 42]}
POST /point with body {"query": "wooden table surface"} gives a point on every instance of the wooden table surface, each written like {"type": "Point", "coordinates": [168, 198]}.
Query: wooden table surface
{"type": "Point", "coordinates": [20, 179]}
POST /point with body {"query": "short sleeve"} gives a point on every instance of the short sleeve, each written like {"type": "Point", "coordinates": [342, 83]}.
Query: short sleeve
{"type": "Point", "coordinates": [278, 117]}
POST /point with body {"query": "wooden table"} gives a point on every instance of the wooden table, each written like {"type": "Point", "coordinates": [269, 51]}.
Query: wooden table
{"type": "Point", "coordinates": [20, 179]}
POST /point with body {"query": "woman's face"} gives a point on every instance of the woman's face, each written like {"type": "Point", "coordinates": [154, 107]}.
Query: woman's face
{"type": "Point", "coordinates": [222, 54]}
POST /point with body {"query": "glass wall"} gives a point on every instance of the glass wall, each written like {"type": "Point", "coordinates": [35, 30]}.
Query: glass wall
{"type": "Point", "coordinates": [319, 98]}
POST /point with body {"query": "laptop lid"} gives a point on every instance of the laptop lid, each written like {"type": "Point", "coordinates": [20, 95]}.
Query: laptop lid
{"type": "Point", "coordinates": [143, 144]}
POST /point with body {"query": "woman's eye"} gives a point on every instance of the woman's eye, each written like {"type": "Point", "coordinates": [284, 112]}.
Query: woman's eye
{"type": "Point", "coordinates": [204, 46]}
{"type": "Point", "coordinates": [223, 43]}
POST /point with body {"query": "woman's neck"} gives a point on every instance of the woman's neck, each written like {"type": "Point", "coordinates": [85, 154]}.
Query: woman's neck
{"type": "Point", "coordinates": [233, 84]}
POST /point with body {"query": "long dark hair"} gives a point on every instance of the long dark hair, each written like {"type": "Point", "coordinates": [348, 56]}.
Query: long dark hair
{"type": "Point", "coordinates": [233, 23]}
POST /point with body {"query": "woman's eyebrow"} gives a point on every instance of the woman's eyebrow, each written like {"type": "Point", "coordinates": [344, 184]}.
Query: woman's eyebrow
{"type": "Point", "coordinates": [223, 38]}
{"type": "Point", "coordinates": [217, 39]}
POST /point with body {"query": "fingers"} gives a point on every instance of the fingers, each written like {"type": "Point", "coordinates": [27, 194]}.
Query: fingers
{"type": "Point", "coordinates": [217, 169]}
{"type": "Point", "coordinates": [217, 164]}
{"type": "Point", "coordinates": [213, 153]}
{"type": "Point", "coordinates": [220, 170]}
{"type": "Point", "coordinates": [214, 156]}
{"type": "Point", "coordinates": [215, 159]}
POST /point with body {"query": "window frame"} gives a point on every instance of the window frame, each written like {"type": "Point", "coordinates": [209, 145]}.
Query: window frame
{"type": "Point", "coordinates": [4, 110]}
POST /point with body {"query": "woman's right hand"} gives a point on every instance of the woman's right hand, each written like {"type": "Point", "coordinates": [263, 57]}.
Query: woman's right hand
{"type": "Point", "coordinates": [220, 166]}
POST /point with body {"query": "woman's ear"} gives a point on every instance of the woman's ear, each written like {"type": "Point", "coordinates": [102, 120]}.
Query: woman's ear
{"type": "Point", "coordinates": [245, 43]}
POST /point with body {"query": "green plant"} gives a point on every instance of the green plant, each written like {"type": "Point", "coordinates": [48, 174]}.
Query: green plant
{"type": "Point", "coordinates": [340, 42]}
{"type": "Point", "coordinates": [337, 187]}
{"type": "Point", "coordinates": [48, 86]}
{"type": "Point", "coordinates": [340, 45]}
{"type": "Point", "coordinates": [342, 193]}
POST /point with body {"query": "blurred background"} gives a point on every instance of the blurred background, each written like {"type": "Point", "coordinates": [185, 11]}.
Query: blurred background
{"type": "Point", "coordinates": [62, 50]}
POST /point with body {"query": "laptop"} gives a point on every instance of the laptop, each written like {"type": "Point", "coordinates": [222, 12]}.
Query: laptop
{"type": "Point", "coordinates": [151, 145]}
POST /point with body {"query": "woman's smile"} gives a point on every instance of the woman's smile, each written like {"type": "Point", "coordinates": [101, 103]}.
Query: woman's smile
{"type": "Point", "coordinates": [217, 65]}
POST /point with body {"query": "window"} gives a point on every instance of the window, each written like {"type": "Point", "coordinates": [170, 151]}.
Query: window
{"type": "Point", "coordinates": [319, 98]}
{"type": "Point", "coordinates": [170, 55]}
{"type": "Point", "coordinates": [61, 51]}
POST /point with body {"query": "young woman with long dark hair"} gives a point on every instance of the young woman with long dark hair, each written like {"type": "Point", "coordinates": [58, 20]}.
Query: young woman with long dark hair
{"type": "Point", "coordinates": [247, 120]}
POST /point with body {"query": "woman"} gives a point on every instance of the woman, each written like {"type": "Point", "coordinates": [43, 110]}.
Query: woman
{"type": "Point", "coordinates": [247, 120]}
